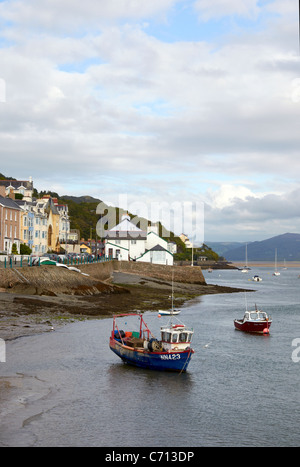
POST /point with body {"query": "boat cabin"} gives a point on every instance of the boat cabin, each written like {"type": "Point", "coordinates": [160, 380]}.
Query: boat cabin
{"type": "Point", "coordinates": [255, 316]}
{"type": "Point", "coordinates": [176, 337]}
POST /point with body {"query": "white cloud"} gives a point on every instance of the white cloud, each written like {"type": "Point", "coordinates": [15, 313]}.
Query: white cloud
{"type": "Point", "coordinates": [218, 8]}
{"type": "Point", "coordinates": [96, 98]}
{"type": "Point", "coordinates": [70, 15]}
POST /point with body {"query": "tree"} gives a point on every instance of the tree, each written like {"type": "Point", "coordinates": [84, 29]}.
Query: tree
{"type": "Point", "coordinates": [25, 250]}
{"type": "Point", "coordinates": [14, 249]}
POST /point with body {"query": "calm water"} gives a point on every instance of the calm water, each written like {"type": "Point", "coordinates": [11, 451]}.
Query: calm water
{"type": "Point", "coordinates": [240, 390]}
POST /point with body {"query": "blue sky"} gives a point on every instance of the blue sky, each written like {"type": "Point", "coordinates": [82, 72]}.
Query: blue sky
{"type": "Point", "coordinates": [179, 100]}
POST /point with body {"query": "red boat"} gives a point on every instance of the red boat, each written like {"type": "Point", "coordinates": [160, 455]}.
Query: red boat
{"type": "Point", "coordinates": [254, 321]}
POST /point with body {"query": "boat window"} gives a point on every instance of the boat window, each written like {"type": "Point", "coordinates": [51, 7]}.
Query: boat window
{"type": "Point", "coordinates": [183, 337]}
{"type": "Point", "coordinates": [174, 338]}
{"type": "Point", "coordinates": [262, 315]}
{"type": "Point", "coordinates": [167, 337]}
{"type": "Point", "coordinates": [163, 336]}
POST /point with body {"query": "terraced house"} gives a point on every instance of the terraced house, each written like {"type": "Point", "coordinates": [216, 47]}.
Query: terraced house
{"type": "Point", "coordinates": [39, 223]}
{"type": "Point", "coordinates": [10, 221]}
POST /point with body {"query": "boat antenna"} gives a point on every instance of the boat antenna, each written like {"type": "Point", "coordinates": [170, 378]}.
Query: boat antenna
{"type": "Point", "coordinates": [246, 301]}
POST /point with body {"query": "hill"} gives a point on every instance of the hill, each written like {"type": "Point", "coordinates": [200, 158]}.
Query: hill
{"type": "Point", "coordinates": [223, 247]}
{"type": "Point", "coordinates": [287, 245]}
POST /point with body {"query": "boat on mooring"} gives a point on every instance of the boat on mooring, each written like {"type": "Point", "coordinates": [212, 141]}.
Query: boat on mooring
{"type": "Point", "coordinates": [256, 278]}
{"type": "Point", "coordinates": [254, 322]}
{"type": "Point", "coordinates": [168, 312]}
{"type": "Point", "coordinates": [172, 352]}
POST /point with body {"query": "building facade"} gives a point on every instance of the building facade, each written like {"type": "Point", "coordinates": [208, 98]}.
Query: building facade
{"type": "Point", "coordinates": [10, 223]}
{"type": "Point", "coordinates": [127, 242]}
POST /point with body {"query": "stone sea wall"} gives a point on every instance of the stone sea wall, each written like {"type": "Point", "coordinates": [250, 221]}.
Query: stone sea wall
{"type": "Point", "coordinates": [53, 280]}
{"type": "Point", "coordinates": [187, 274]}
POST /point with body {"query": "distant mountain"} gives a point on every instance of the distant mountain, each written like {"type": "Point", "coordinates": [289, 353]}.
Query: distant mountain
{"type": "Point", "coordinates": [287, 245]}
{"type": "Point", "coordinates": [223, 247]}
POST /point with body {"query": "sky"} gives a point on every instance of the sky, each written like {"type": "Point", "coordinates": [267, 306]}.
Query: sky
{"type": "Point", "coordinates": [156, 107]}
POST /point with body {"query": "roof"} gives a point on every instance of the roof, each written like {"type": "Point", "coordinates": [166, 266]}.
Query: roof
{"type": "Point", "coordinates": [158, 248]}
{"type": "Point", "coordinates": [16, 184]}
{"type": "Point", "coordinates": [125, 226]}
{"type": "Point", "coordinates": [126, 230]}
{"type": "Point", "coordinates": [9, 203]}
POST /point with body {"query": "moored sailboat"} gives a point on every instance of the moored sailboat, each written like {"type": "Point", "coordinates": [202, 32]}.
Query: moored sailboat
{"type": "Point", "coordinates": [276, 272]}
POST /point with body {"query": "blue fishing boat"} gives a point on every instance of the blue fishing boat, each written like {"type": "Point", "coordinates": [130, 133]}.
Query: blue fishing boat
{"type": "Point", "coordinates": [172, 352]}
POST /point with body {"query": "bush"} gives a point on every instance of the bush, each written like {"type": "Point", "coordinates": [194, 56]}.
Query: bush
{"type": "Point", "coordinates": [25, 250]}
{"type": "Point", "coordinates": [14, 249]}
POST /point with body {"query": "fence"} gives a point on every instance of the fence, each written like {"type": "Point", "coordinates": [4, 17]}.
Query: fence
{"type": "Point", "coordinates": [25, 261]}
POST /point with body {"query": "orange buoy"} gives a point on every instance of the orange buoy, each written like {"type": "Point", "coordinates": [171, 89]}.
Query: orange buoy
{"type": "Point", "coordinates": [266, 331]}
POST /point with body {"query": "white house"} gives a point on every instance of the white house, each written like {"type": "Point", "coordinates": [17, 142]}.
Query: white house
{"type": "Point", "coordinates": [127, 242]}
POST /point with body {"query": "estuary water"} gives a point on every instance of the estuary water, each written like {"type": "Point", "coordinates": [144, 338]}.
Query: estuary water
{"type": "Point", "coordinates": [240, 390]}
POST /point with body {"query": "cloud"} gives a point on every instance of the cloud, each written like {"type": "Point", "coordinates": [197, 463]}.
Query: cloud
{"type": "Point", "coordinates": [219, 8]}
{"type": "Point", "coordinates": [96, 103]}
{"type": "Point", "coordinates": [71, 15]}
{"type": "Point", "coordinates": [252, 216]}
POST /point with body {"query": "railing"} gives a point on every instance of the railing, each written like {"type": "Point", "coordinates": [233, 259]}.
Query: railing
{"type": "Point", "coordinates": [14, 261]}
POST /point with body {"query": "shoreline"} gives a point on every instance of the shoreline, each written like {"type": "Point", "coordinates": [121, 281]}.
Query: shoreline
{"type": "Point", "coordinates": [24, 315]}
{"type": "Point", "coordinates": [267, 264]}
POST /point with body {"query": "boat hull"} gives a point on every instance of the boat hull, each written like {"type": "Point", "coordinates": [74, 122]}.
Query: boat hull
{"type": "Point", "coordinates": [160, 361]}
{"type": "Point", "coordinates": [251, 326]}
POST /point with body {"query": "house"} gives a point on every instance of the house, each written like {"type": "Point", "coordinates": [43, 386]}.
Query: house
{"type": "Point", "coordinates": [185, 240]}
{"type": "Point", "coordinates": [20, 187]}
{"type": "Point", "coordinates": [127, 242]}
{"type": "Point", "coordinates": [27, 223]}
{"type": "Point", "coordinates": [10, 223]}
{"type": "Point", "coordinates": [157, 250]}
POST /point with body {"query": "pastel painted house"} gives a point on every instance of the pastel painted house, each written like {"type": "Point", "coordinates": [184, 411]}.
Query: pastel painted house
{"type": "Point", "coordinates": [10, 223]}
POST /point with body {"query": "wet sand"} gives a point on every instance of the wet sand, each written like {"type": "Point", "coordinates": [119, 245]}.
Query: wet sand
{"type": "Point", "coordinates": [24, 315]}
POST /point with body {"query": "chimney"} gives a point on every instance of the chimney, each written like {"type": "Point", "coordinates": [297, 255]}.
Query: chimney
{"type": "Point", "coordinates": [11, 194]}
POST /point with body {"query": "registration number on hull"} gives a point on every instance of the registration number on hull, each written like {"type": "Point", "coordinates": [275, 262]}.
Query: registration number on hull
{"type": "Point", "coordinates": [174, 356]}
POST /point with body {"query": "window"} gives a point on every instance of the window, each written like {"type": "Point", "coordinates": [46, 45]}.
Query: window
{"type": "Point", "coordinates": [183, 337]}
{"type": "Point", "coordinates": [174, 338]}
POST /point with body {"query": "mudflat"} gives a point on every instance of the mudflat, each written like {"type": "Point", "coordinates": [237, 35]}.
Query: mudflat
{"type": "Point", "coordinates": [23, 314]}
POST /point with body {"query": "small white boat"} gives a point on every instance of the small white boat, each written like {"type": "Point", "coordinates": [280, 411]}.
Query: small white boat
{"type": "Point", "coordinates": [276, 272]}
{"type": "Point", "coordinates": [171, 312]}
{"type": "Point", "coordinates": [256, 278]}
{"type": "Point", "coordinates": [168, 312]}
{"type": "Point", "coordinates": [246, 268]}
